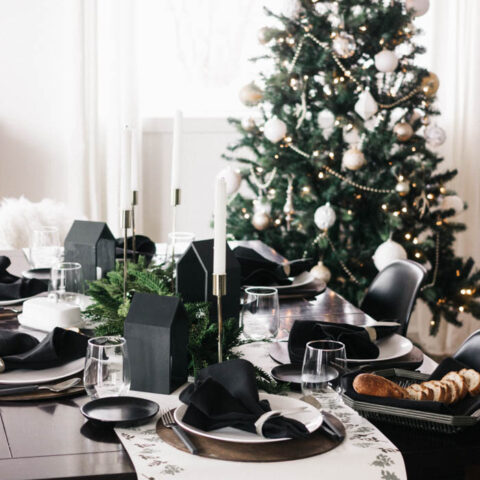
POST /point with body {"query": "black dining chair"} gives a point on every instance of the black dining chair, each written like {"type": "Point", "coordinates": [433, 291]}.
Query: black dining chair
{"type": "Point", "coordinates": [469, 351]}
{"type": "Point", "coordinates": [392, 293]}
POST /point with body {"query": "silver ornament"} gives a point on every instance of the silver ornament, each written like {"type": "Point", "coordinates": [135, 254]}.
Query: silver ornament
{"type": "Point", "coordinates": [403, 131]}
{"type": "Point", "coordinates": [344, 45]}
{"type": "Point", "coordinates": [353, 159]}
{"type": "Point", "coordinates": [435, 135]}
{"type": "Point", "coordinates": [388, 252]}
{"type": "Point", "coordinates": [366, 105]}
{"type": "Point", "coordinates": [261, 220]}
{"type": "Point", "coordinates": [324, 217]}
{"type": "Point", "coordinates": [402, 188]}
{"type": "Point", "coordinates": [251, 94]}
{"type": "Point", "coordinates": [248, 124]}
{"type": "Point", "coordinates": [321, 272]}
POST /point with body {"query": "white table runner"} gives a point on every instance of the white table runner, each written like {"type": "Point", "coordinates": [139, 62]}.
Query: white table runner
{"type": "Point", "coordinates": [365, 454]}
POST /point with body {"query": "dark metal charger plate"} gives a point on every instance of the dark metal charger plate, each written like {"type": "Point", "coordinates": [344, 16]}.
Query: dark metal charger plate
{"type": "Point", "coordinates": [315, 444]}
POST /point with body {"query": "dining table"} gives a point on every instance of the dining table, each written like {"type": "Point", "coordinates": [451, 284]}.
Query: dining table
{"type": "Point", "coordinates": [50, 439]}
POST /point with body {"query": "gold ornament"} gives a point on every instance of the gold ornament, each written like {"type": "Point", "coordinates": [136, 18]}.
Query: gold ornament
{"type": "Point", "coordinates": [430, 84]}
{"type": "Point", "coordinates": [402, 188]}
{"type": "Point", "coordinates": [261, 220]}
{"type": "Point", "coordinates": [251, 94]}
{"type": "Point", "coordinates": [403, 131]}
{"type": "Point", "coordinates": [353, 159]}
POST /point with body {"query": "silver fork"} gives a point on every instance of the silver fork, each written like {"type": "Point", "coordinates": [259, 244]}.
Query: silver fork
{"type": "Point", "coordinates": [57, 387]}
{"type": "Point", "coordinates": [169, 422]}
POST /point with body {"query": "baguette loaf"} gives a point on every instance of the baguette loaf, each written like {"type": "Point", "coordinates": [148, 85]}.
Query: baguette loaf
{"type": "Point", "coordinates": [377, 386]}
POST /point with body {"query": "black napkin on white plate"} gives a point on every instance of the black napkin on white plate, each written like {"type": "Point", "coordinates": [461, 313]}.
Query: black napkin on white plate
{"type": "Point", "coordinates": [226, 395]}
{"type": "Point", "coordinates": [357, 340]}
{"type": "Point", "coordinates": [20, 350]}
{"type": "Point", "coordinates": [13, 287]}
{"type": "Point", "coordinates": [143, 246]}
{"type": "Point", "coordinates": [257, 270]}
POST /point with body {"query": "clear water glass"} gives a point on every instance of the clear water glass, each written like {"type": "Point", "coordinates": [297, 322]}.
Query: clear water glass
{"type": "Point", "coordinates": [67, 283]}
{"type": "Point", "coordinates": [107, 369]}
{"type": "Point", "coordinates": [260, 315]}
{"type": "Point", "coordinates": [178, 243]}
{"type": "Point", "coordinates": [45, 248]}
{"type": "Point", "coordinates": [322, 364]}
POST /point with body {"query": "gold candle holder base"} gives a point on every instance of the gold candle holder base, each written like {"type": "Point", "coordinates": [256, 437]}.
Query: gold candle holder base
{"type": "Point", "coordinates": [219, 290]}
{"type": "Point", "coordinates": [126, 222]}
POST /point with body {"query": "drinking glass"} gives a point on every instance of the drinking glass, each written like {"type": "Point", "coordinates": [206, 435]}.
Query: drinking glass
{"type": "Point", "coordinates": [66, 283]}
{"type": "Point", "coordinates": [178, 242]}
{"type": "Point", "coordinates": [322, 364]}
{"type": "Point", "coordinates": [260, 315]}
{"type": "Point", "coordinates": [44, 247]}
{"type": "Point", "coordinates": [107, 369]}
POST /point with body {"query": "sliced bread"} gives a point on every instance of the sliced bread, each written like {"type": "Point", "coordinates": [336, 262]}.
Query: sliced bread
{"type": "Point", "coordinates": [472, 378]}
{"type": "Point", "coordinates": [459, 380]}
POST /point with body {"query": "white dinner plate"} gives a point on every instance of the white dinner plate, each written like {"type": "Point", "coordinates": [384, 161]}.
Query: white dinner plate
{"type": "Point", "coordinates": [305, 413]}
{"type": "Point", "coordinates": [390, 348]}
{"type": "Point", "coordinates": [20, 377]}
{"type": "Point", "coordinates": [299, 281]}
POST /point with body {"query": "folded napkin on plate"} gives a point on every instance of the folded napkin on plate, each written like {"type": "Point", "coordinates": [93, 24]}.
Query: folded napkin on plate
{"type": "Point", "coordinates": [259, 271]}
{"type": "Point", "coordinates": [19, 350]}
{"type": "Point", "coordinates": [225, 395]}
{"type": "Point", "coordinates": [357, 340]}
{"type": "Point", "coordinates": [143, 246]}
{"type": "Point", "coordinates": [13, 288]}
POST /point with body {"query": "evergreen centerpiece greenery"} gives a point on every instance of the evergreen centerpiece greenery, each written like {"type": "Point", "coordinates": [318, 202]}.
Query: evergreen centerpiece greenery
{"type": "Point", "coordinates": [341, 152]}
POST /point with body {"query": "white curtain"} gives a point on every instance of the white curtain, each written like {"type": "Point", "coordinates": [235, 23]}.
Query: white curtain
{"type": "Point", "coordinates": [104, 106]}
{"type": "Point", "coordinates": [453, 42]}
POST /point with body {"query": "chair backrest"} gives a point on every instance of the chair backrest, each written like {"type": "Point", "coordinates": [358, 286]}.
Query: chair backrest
{"type": "Point", "coordinates": [392, 294]}
{"type": "Point", "coordinates": [469, 351]}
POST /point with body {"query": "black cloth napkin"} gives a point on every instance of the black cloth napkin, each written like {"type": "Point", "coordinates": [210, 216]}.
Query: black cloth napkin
{"type": "Point", "coordinates": [12, 287]}
{"type": "Point", "coordinates": [464, 407]}
{"type": "Point", "coordinates": [257, 270]}
{"type": "Point", "coordinates": [143, 246]}
{"type": "Point", "coordinates": [19, 350]}
{"type": "Point", "coordinates": [225, 395]}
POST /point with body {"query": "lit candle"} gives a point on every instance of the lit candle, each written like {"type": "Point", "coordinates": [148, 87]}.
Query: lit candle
{"type": "Point", "coordinates": [220, 227]}
{"type": "Point", "coordinates": [134, 172]}
{"type": "Point", "coordinates": [176, 153]}
{"type": "Point", "coordinates": [126, 153]}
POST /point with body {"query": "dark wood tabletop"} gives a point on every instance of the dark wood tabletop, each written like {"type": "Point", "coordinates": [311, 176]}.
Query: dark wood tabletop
{"type": "Point", "coordinates": [51, 440]}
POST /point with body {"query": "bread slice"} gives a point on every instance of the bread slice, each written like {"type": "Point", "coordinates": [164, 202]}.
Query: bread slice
{"type": "Point", "coordinates": [428, 391]}
{"type": "Point", "coordinates": [459, 380]}
{"type": "Point", "coordinates": [441, 392]}
{"type": "Point", "coordinates": [472, 378]}
{"type": "Point", "coordinates": [454, 390]}
{"type": "Point", "coordinates": [415, 392]}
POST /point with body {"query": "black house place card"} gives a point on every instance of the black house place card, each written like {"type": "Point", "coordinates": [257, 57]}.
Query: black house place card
{"type": "Point", "coordinates": [194, 278]}
{"type": "Point", "coordinates": [92, 245]}
{"type": "Point", "coordinates": [156, 331]}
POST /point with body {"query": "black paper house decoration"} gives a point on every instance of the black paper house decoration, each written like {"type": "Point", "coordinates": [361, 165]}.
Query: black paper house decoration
{"type": "Point", "coordinates": [194, 278]}
{"type": "Point", "coordinates": [92, 245]}
{"type": "Point", "coordinates": [156, 331]}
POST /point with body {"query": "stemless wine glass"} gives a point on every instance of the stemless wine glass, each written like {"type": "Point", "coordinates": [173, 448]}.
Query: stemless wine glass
{"type": "Point", "coordinates": [322, 364]}
{"type": "Point", "coordinates": [178, 242]}
{"type": "Point", "coordinates": [66, 283]}
{"type": "Point", "coordinates": [260, 315]}
{"type": "Point", "coordinates": [107, 369]}
{"type": "Point", "coordinates": [44, 247]}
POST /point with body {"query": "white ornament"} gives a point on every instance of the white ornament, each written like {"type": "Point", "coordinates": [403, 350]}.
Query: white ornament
{"type": "Point", "coordinates": [248, 124]}
{"type": "Point", "coordinates": [326, 119]}
{"type": "Point", "coordinates": [233, 179]}
{"type": "Point", "coordinates": [274, 129]}
{"type": "Point", "coordinates": [250, 94]}
{"type": "Point", "coordinates": [453, 202]}
{"type": "Point", "coordinates": [261, 204]}
{"type": "Point", "coordinates": [261, 220]}
{"type": "Point", "coordinates": [366, 105]}
{"type": "Point", "coordinates": [387, 252]}
{"type": "Point", "coordinates": [351, 135]}
{"type": "Point", "coordinates": [353, 159]}
{"type": "Point", "coordinates": [321, 272]}
{"type": "Point", "coordinates": [386, 61]}
{"type": "Point", "coordinates": [419, 7]}
{"type": "Point", "coordinates": [325, 216]}
{"type": "Point", "coordinates": [435, 135]}
{"type": "Point", "coordinates": [344, 45]}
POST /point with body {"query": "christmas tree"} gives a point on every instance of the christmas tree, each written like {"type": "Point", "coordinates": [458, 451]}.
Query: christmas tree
{"type": "Point", "coordinates": [340, 153]}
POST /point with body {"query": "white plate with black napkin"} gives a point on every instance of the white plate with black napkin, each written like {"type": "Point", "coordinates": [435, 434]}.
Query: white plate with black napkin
{"type": "Point", "coordinates": [293, 408]}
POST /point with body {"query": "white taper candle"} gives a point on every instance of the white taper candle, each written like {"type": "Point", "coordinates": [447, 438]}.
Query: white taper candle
{"type": "Point", "coordinates": [220, 228]}
{"type": "Point", "coordinates": [125, 170]}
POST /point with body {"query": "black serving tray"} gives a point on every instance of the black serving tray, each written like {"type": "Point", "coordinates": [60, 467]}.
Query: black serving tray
{"type": "Point", "coordinates": [417, 419]}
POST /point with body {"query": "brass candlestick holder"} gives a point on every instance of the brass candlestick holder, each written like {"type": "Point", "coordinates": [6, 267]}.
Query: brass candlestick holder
{"type": "Point", "coordinates": [126, 222]}
{"type": "Point", "coordinates": [219, 291]}
{"type": "Point", "coordinates": [134, 243]}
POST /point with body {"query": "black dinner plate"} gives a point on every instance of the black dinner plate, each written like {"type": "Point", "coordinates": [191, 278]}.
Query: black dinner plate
{"type": "Point", "coordinates": [38, 273]}
{"type": "Point", "coordinates": [119, 411]}
{"type": "Point", "coordinates": [287, 373]}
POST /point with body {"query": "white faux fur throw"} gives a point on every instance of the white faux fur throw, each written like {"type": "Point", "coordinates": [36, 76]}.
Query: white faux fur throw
{"type": "Point", "coordinates": [19, 218]}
